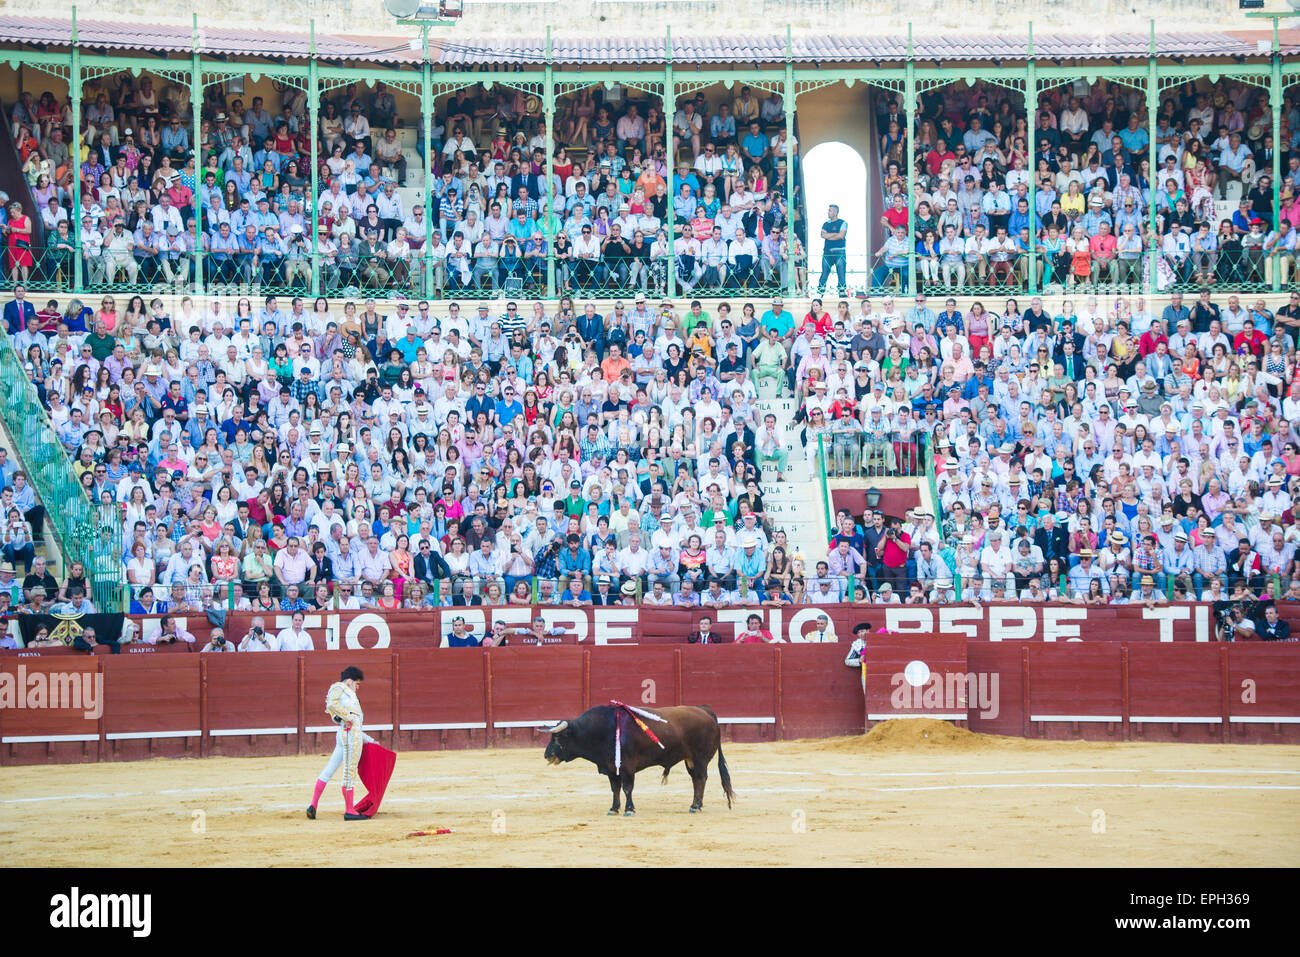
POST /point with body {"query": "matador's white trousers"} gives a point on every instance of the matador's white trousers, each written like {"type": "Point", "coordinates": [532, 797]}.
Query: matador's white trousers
{"type": "Point", "coordinates": [347, 754]}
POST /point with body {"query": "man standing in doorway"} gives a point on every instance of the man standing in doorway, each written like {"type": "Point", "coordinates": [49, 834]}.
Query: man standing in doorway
{"type": "Point", "coordinates": [833, 251]}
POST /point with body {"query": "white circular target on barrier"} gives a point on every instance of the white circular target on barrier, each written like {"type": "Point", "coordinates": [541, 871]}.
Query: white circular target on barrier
{"type": "Point", "coordinates": [917, 673]}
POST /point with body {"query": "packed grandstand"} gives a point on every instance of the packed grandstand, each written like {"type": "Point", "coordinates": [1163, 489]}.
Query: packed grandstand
{"type": "Point", "coordinates": [382, 407]}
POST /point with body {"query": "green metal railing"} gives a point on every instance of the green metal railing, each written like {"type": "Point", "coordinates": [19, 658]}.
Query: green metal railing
{"type": "Point", "coordinates": [91, 534]}
{"type": "Point", "coordinates": [928, 465]}
{"type": "Point", "coordinates": [867, 455]}
{"type": "Point", "coordinates": [826, 491]}
{"type": "Point", "coordinates": [425, 276]}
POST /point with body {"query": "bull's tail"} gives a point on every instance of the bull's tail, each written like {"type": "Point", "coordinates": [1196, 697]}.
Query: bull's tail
{"type": "Point", "coordinates": [723, 772]}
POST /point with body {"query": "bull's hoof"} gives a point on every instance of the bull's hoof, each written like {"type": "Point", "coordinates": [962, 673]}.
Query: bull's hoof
{"type": "Point", "coordinates": [611, 812]}
{"type": "Point", "coordinates": [695, 810]}
{"type": "Point", "coordinates": [629, 813]}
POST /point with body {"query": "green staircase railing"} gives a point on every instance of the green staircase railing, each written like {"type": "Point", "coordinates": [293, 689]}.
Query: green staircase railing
{"type": "Point", "coordinates": [831, 527]}
{"type": "Point", "coordinates": [91, 534]}
{"type": "Point", "coordinates": [933, 480]}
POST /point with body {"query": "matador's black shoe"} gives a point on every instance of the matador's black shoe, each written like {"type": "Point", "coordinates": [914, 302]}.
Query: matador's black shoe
{"type": "Point", "coordinates": [355, 817]}
{"type": "Point", "coordinates": [311, 811]}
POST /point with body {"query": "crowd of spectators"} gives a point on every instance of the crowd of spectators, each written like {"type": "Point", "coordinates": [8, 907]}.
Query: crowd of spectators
{"type": "Point", "coordinates": [284, 455]}
{"type": "Point", "coordinates": [612, 189]}
{"type": "Point", "coordinates": [1090, 218]}
{"type": "Point", "coordinates": [394, 459]}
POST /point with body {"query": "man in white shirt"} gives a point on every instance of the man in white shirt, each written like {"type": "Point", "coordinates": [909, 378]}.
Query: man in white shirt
{"type": "Point", "coordinates": [1177, 250]}
{"type": "Point", "coordinates": [295, 637]}
{"type": "Point", "coordinates": [686, 255]}
{"type": "Point", "coordinates": [977, 248]}
{"type": "Point", "coordinates": [257, 639]}
{"type": "Point", "coordinates": [713, 257]}
{"type": "Point", "coordinates": [742, 255]}
{"type": "Point", "coordinates": [586, 257]}
{"type": "Point", "coordinates": [1233, 161]}
{"type": "Point", "coordinates": [458, 260]}
{"type": "Point", "coordinates": [164, 215]}
{"type": "Point", "coordinates": [633, 559]}
{"type": "Point", "coordinates": [952, 249]}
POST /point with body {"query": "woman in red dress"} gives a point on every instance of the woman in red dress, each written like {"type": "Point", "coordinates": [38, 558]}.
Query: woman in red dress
{"type": "Point", "coordinates": [18, 236]}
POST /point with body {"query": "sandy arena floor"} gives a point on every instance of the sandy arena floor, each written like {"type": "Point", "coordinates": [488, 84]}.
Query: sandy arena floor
{"type": "Point", "coordinates": [896, 798]}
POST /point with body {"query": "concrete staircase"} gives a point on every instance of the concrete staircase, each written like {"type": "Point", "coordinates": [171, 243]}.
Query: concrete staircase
{"type": "Point", "coordinates": [51, 549]}
{"type": "Point", "coordinates": [795, 505]}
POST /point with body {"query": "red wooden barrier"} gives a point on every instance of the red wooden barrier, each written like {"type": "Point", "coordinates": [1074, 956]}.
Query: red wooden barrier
{"type": "Point", "coordinates": [1088, 678]}
{"type": "Point", "coordinates": [637, 676]}
{"type": "Point", "coordinates": [151, 692]}
{"type": "Point", "coordinates": [1176, 692]}
{"type": "Point", "coordinates": [441, 697]}
{"type": "Point", "coordinates": [1262, 685]}
{"type": "Point", "coordinates": [650, 625]}
{"type": "Point", "coordinates": [532, 687]}
{"type": "Point", "coordinates": [252, 703]}
{"type": "Point", "coordinates": [1008, 660]}
{"type": "Point", "coordinates": [917, 677]}
{"type": "Point", "coordinates": [820, 697]}
{"type": "Point", "coordinates": [740, 688]}
{"type": "Point", "coordinates": [435, 698]}
{"type": "Point", "coordinates": [51, 710]}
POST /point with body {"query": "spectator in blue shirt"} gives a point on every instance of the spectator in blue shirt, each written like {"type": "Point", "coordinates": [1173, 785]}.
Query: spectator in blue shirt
{"type": "Point", "coordinates": [176, 141]}
{"type": "Point", "coordinates": [722, 128]}
{"type": "Point", "coordinates": [270, 252]}
{"type": "Point", "coordinates": [507, 409]}
{"type": "Point", "coordinates": [247, 256]}
{"type": "Point", "coordinates": [574, 560]}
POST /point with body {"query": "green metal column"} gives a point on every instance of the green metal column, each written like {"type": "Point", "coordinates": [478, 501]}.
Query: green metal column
{"type": "Point", "coordinates": [196, 123]}
{"type": "Point", "coordinates": [548, 111]}
{"type": "Point", "coordinates": [670, 151]}
{"type": "Point", "coordinates": [1275, 101]}
{"type": "Point", "coordinates": [313, 112]}
{"type": "Point", "coordinates": [1153, 107]}
{"type": "Point", "coordinates": [909, 115]}
{"type": "Point", "coordinates": [791, 95]}
{"type": "Point", "coordinates": [426, 112]}
{"type": "Point", "coordinates": [74, 88]}
{"type": "Point", "coordinates": [1031, 165]}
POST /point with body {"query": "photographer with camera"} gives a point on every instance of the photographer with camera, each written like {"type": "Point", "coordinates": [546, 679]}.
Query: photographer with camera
{"type": "Point", "coordinates": [218, 642]}
{"type": "Point", "coordinates": [518, 564]}
{"type": "Point", "coordinates": [257, 639]}
{"type": "Point", "coordinates": [892, 552]}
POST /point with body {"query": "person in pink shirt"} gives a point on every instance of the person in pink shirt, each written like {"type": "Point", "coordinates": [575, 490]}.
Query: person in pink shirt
{"type": "Point", "coordinates": [962, 367]}
{"type": "Point", "coordinates": [172, 461]}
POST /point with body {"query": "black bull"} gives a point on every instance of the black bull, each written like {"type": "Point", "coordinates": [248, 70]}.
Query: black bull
{"type": "Point", "coordinates": [687, 734]}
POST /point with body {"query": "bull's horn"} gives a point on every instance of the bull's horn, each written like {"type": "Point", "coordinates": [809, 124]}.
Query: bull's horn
{"type": "Point", "coordinates": [557, 729]}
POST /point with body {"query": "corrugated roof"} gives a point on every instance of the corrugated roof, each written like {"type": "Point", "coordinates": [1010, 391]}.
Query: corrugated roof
{"type": "Point", "coordinates": [848, 49]}
{"type": "Point", "coordinates": [702, 50]}
{"type": "Point", "coordinates": [178, 39]}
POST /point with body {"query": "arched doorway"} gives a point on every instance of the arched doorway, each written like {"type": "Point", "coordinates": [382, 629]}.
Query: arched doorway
{"type": "Point", "coordinates": [835, 174]}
